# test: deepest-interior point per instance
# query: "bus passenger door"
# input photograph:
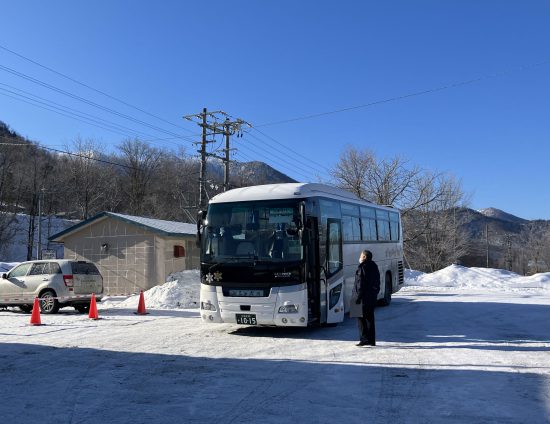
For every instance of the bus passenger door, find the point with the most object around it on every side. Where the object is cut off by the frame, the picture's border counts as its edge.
(334, 272)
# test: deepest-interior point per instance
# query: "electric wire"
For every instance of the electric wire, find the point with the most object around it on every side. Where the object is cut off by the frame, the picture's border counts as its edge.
(51, 105)
(406, 96)
(91, 88)
(84, 100)
(84, 115)
(279, 164)
(287, 156)
(63, 114)
(287, 149)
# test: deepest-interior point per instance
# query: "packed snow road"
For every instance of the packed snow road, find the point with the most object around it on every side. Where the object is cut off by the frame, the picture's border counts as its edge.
(443, 356)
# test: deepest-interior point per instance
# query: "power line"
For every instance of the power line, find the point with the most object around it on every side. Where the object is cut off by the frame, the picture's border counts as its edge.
(51, 105)
(308, 162)
(59, 107)
(90, 87)
(406, 96)
(82, 99)
(124, 134)
(279, 164)
(63, 114)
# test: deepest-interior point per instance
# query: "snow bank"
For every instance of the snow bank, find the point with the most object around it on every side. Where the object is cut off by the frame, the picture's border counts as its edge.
(6, 266)
(457, 276)
(180, 291)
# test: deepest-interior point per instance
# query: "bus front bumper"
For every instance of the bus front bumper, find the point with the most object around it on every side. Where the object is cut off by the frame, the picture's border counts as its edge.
(285, 306)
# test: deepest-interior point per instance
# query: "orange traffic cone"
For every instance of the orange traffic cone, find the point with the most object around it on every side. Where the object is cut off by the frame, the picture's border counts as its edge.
(141, 305)
(93, 308)
(35, 317)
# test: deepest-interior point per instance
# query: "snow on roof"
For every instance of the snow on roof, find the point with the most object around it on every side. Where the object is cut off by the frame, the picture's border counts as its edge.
(284, 191)
(172, 227)
(169, 228)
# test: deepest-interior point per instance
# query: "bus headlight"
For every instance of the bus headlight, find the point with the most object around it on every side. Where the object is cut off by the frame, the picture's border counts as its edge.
(288, 309)
(207, 306)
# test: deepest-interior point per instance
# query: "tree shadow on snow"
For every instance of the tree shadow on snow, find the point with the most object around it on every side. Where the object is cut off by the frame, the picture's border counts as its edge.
(51, 385)
(471, 325)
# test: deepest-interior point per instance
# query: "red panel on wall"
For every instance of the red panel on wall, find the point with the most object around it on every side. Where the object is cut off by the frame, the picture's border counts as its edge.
(179, 252)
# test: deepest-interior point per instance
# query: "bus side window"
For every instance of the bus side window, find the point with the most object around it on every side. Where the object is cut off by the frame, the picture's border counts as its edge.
(334, 246)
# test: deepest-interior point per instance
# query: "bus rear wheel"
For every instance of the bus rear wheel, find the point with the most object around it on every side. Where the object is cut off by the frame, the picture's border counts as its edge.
(386, 300)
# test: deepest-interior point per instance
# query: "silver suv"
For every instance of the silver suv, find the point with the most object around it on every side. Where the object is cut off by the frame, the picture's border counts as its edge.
(58, 283)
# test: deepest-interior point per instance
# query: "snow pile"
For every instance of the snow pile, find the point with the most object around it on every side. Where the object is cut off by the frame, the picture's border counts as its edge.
(6, 266)
(180, 291)
(457, 276)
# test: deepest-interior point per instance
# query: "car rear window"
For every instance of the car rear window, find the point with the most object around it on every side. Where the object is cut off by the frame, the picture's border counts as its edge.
(84, 268)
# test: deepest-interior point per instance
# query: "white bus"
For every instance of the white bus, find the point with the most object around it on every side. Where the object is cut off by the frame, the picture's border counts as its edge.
(286, 254)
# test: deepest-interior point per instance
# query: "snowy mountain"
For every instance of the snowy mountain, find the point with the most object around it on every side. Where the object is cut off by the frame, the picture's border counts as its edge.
(248, 173)
(501, 215)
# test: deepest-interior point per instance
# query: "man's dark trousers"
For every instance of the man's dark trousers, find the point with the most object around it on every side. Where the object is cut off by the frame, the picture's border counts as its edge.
(366, 326)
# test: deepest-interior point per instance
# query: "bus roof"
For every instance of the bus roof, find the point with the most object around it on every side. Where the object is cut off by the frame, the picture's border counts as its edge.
(286, 191)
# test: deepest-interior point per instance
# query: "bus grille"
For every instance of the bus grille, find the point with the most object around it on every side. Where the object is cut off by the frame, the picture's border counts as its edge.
(400, 272)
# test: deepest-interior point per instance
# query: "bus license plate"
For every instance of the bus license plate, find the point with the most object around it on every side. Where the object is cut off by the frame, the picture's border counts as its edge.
(246, 319)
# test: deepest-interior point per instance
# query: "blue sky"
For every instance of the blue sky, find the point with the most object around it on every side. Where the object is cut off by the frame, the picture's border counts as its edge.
(271, 61)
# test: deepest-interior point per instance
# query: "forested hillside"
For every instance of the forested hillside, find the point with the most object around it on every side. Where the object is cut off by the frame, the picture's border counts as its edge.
(137, 178)
(133, 177)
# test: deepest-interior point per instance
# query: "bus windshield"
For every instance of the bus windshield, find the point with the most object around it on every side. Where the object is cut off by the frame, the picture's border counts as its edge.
(266, 231)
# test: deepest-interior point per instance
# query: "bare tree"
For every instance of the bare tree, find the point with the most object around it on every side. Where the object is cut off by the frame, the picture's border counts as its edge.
(433, 233)
(353, 170)
(87, 179)
(433, 237)
(536, 241)
(142, 162)
(10, 183)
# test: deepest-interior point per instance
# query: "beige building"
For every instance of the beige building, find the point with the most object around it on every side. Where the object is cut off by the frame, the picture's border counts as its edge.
(132, 253)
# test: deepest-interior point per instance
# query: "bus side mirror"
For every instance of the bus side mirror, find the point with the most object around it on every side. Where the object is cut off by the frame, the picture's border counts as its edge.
(201, 216)
(302, 233)
(5, 276)
(302, 215)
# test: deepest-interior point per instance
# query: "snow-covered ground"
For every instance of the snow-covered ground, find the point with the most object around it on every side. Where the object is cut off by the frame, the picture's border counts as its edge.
(459, 345)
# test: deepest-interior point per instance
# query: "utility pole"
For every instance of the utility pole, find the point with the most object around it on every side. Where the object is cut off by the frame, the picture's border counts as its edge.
(40, 200)
(202, 176)
(210, 121)
(509, 258)
(227, 128)
(487, 242)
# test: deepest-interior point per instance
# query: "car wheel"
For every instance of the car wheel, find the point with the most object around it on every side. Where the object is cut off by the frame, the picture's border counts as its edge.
(25, 308)
(82, 309)
(48, 303)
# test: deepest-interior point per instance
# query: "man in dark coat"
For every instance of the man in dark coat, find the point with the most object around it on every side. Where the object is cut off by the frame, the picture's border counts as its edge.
(365, 293)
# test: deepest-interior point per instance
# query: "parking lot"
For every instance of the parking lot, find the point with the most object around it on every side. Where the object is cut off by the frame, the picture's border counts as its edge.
(442, 356)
